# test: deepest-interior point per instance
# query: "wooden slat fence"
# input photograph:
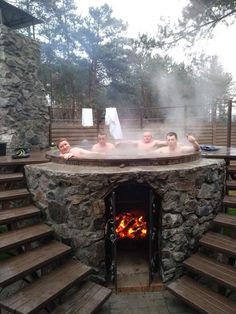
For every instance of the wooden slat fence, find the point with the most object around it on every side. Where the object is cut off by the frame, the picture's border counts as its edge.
(205, 133)
(74, 132)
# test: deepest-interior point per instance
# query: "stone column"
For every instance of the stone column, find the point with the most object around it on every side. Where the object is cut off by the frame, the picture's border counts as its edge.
(24, 119)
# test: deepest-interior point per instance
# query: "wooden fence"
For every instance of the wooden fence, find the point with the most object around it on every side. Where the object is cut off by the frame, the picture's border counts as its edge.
(205, 133)
(208, 129)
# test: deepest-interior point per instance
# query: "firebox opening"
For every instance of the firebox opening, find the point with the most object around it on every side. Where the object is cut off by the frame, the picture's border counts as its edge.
(131, 235)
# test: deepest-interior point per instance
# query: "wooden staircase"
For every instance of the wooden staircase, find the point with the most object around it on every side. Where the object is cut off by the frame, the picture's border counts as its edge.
(206, 274)
(210, 281)
(52, 280)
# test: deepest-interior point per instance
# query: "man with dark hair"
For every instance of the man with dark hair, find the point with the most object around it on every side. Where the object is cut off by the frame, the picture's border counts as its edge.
(175, 148)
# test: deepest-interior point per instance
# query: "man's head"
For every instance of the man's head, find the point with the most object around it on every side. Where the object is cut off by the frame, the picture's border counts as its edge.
(147, 137)
(102, 139)
(63, 145)
(172, 139)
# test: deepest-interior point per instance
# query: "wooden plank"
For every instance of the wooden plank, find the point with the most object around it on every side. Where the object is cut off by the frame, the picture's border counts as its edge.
(8, 177)
(200, 297)
(38, 294)
(14, 238)
(225, 220)
(88, 299)
(229, 200)
(17, 267)
(219, 243)
(231, 185)
(223, 274)
(35, 158)
(13, 214)
(13, 194)
(231, 169)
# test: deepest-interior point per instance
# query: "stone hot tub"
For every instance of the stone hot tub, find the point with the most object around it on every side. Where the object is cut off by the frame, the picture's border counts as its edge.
(177, 198)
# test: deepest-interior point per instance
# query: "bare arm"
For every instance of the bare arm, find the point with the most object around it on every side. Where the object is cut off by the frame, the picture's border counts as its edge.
(160, 143)
(194, 142)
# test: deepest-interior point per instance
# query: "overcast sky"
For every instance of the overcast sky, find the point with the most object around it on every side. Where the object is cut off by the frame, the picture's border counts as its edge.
(143, 16)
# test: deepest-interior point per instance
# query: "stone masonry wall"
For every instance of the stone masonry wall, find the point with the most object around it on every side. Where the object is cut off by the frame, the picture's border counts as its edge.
(73, 200)
(23, 107)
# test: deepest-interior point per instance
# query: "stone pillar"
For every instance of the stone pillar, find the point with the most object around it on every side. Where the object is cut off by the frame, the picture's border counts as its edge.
(24, 119)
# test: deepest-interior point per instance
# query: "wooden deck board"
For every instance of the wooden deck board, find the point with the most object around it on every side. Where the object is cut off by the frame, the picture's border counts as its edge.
(87, 300)
(35, 296)
(201, 298)
(11, 239)
(229, 200)
(13, 194)
(18, 266)
(223, 274)
(7, 177)
(225, 220)
(15, 214)
(219, 242)
(35, 157)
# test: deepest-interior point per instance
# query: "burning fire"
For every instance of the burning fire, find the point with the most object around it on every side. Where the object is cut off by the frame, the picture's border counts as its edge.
(130, 226)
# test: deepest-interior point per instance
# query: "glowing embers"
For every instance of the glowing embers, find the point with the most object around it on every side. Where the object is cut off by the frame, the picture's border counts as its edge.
(129, 225)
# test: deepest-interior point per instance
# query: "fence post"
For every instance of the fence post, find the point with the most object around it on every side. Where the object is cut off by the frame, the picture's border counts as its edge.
(50, 125)
(229, 123)
(213, 121)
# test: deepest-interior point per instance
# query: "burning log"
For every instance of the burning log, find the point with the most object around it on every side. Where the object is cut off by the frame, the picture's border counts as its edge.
(130, 226)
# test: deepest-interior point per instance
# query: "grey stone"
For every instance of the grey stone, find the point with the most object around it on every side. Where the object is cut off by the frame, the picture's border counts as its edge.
(22, 92)
(76, 205)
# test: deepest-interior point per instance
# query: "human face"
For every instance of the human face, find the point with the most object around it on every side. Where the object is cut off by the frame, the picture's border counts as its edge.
(102, 140)
(171, 141)
(147, 137)
(64, 147)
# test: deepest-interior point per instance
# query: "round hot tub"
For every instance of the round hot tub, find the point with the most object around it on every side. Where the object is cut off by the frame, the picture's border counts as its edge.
(124, 159)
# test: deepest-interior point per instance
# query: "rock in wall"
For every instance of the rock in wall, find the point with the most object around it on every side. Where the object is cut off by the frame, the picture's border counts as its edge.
(24, 118)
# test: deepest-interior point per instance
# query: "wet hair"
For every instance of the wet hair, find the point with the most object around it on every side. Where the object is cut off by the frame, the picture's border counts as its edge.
(61, 140)
(172, 134)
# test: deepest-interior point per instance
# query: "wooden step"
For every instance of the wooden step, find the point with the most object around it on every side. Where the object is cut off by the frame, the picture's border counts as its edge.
(15, 214)
(36, 157)
(200, 297)
(19, 266)
(226, 221)
(231, 185)
(225, 275)
(229, 201)
(13, 194)
(8, 177)
(231, 169)
(88, 299)
(15, 238)
(38, 294)
(219, 243)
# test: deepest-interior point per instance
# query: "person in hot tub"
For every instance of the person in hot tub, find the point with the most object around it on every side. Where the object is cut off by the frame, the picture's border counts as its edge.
(102, 145)
(146, 143)
(175, 148)
(66, 151)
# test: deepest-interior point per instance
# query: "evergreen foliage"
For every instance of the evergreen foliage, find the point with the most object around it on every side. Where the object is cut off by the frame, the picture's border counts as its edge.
(89, 62)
